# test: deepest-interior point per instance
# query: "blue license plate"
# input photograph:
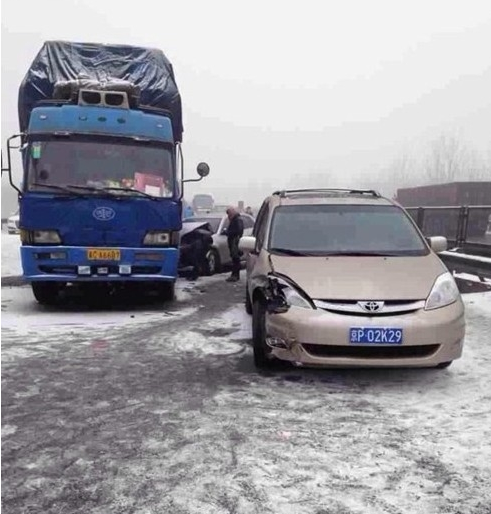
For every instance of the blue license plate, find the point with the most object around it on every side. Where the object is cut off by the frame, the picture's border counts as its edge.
(373, 335)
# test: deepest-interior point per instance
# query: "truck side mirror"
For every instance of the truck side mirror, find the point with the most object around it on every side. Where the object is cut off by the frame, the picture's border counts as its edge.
(203, 169)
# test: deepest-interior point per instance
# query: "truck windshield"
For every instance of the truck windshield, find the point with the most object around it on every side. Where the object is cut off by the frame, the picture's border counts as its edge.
(120, 168)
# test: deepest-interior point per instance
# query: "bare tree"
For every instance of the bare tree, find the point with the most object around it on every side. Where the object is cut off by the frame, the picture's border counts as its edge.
(449, 160)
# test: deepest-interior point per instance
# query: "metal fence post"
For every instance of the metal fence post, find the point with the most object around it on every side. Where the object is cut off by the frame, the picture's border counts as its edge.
(463, 223)
(420, 218)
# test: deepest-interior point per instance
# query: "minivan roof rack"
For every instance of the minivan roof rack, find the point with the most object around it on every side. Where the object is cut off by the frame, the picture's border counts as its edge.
(286, 192)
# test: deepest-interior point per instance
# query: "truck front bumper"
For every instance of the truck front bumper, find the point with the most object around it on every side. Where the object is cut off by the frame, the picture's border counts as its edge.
(71, 264)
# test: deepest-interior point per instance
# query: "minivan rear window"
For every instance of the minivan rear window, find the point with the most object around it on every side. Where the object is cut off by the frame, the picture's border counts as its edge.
(344, 230)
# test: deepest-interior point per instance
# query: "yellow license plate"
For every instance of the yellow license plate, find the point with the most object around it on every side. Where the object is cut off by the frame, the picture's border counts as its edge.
(103, 254)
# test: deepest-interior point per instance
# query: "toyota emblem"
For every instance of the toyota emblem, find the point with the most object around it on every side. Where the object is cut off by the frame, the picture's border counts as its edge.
(371, 306)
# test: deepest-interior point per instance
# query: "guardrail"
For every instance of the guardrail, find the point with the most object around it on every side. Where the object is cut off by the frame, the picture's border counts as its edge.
(461, 224)
(472, 264)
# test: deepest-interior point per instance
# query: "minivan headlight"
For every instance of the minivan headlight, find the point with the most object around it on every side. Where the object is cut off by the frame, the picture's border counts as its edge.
(443, 293)
(292, 296)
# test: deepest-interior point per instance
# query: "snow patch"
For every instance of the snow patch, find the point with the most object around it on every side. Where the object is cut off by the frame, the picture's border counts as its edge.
(8, 430)
(22, 314)
(11, 264)
(198, 343)
(481, 303)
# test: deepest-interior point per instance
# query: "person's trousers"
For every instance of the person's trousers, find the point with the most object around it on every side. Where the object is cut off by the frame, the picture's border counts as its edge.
(233, 246)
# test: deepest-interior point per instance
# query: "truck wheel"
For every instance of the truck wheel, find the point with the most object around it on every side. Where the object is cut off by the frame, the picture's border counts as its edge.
(262, 352)
(46, 293)
(248, 304)
(167, 291)
(212, 262)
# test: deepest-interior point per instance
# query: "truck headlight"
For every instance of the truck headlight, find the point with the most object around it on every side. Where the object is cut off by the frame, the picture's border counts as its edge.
(443, 293)
(157, 238)
(40, 237)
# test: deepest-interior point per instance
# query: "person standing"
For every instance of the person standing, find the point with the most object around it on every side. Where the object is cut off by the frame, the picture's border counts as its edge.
(234, 233)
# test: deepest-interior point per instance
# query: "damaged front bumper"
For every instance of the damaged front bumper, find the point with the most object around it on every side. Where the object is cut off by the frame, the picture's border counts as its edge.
(319, 338)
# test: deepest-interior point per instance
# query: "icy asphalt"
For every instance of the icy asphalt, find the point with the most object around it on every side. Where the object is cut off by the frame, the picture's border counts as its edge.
(158, 409)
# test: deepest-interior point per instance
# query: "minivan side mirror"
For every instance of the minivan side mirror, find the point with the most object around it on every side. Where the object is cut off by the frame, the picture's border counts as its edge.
(438, 244)
(247, 243)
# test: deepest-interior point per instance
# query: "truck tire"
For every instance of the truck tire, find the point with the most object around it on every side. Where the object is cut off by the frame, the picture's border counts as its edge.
(262, 352)
(46, 293)
(167, 291)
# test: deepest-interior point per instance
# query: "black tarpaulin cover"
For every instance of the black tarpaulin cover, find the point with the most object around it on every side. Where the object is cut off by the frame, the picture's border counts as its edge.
(147, 68)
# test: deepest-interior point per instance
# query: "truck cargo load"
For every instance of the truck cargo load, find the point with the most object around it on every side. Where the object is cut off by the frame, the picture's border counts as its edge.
(60, 64)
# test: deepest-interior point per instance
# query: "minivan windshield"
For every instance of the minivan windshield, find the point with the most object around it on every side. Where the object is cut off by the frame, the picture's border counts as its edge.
(344, 230)
(90, 165)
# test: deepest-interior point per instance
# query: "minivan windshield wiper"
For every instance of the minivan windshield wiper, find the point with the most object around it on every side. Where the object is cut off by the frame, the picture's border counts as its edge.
(361, 254)
(290, 251)
(65, 189)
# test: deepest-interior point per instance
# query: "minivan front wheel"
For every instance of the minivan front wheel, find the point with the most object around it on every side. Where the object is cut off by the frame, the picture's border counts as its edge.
(262, 352)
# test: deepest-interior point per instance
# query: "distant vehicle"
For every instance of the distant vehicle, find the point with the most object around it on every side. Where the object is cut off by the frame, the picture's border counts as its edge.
(445, 222)
(203, 202)
(345, 278)
(187, 210)
(13, 223)
(219, 256)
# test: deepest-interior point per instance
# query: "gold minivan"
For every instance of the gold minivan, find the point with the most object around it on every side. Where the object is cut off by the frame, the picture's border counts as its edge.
(345, 278)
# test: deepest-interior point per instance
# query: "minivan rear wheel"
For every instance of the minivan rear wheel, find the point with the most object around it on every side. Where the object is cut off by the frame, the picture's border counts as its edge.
(262, 352)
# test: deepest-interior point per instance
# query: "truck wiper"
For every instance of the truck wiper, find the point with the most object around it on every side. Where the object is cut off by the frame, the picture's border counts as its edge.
(129, 190)
(58, 188)
(289, 251)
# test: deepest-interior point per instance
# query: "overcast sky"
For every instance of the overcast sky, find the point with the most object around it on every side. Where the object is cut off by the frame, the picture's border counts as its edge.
(277, 92)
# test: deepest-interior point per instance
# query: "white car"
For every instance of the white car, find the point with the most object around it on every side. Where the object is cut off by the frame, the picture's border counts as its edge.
(13, 223)
(219, 256)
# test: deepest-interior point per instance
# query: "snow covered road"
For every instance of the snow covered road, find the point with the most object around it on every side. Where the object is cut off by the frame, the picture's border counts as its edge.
(145, 410)
(11, 265)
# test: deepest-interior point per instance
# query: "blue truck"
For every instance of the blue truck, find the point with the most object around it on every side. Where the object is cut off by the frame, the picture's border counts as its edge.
(101, 195)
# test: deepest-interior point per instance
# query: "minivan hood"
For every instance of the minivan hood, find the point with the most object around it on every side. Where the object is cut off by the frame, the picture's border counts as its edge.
(362, 278)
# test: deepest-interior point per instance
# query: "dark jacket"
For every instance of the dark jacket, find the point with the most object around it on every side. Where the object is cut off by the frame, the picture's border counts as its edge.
(235, 228)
